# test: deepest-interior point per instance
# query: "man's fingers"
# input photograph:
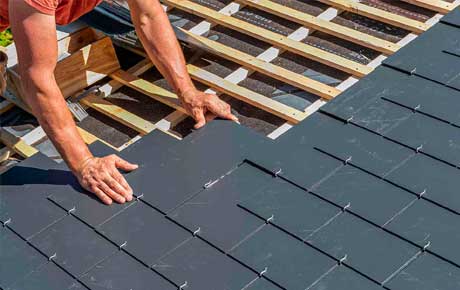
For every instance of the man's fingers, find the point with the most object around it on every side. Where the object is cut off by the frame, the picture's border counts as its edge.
(222, 109)
(128, 192)
(106, 188)
(124, 165)
(101, 195)
(198, 115)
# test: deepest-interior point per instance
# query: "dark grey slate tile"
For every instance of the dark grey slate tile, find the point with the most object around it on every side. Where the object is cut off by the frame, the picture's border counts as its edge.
(287, 261)
(262, 284)
(366, 92)
(77, 247)
(196, 161)
(86, 205)
(363, 245)
(439, 181)
(123, 272)
(437, 138)
(453, 18)
(99, 149)
(147, 233)
(368, 196)
(27, 210)
(215, 211)
(427, 272)
(203, 267)
(289, 207)
(425, 222)
(344, 278)
(17, 258)
(48, 276)
(416, 92)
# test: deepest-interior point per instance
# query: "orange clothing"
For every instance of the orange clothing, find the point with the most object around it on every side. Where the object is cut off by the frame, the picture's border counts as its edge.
(65, 11)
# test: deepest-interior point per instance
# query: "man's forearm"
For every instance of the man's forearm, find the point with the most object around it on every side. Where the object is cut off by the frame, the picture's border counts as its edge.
(160, 43)
(48, 105)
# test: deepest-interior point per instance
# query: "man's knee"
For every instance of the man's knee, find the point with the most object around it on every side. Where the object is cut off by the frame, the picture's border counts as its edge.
(3, 63)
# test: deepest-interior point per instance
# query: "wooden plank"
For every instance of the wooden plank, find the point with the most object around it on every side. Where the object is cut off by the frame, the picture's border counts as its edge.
(16, 144)
(279, 40)
(378, 14)
(269, 69)
(260, 101)
(149, 89)
(119, 114)
(435, 5)
(328, 27)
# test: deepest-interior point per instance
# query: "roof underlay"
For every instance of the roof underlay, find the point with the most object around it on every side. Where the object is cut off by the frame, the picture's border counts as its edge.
(361, 195)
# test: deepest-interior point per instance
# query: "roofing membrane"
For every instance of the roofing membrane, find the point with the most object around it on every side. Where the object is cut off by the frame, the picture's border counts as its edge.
(361, 195)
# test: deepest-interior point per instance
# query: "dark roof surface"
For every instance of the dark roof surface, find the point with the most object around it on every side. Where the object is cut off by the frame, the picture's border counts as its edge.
(362, 195)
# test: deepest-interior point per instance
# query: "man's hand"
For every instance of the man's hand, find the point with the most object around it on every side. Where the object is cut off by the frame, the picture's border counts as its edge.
(101, 176)
(198, 104)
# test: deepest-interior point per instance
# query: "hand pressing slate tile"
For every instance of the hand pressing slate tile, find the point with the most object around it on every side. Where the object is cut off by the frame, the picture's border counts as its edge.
(368, 196)
(203, 268)
(195, 161)
(289, 262)
(290, 208)
(439, 182)
(368, 249)
(123, 272)
(49, 277)
(17, 258)
(438, 139)
(215, 211)
(425, 222)
(427, 272)
(77, 247)
(344, 278)
(147, 233)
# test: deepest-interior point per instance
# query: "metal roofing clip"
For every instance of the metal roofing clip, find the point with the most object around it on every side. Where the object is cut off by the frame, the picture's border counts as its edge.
(416, 108)
(71, 210)
(139, 196)
(122, 245)
(52, 256)
(277, 172)
(419, 148)
(349, 119)
(421, 193)
(346, 207)
(7, 222)
(210, 183)
(347, 160)
(270, 219)
(343, 259)
(183, 285)
(197, 231)
(263, 272)
(426, 246)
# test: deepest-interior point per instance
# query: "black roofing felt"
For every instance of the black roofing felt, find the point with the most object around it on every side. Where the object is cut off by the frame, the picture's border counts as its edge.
(362, 195)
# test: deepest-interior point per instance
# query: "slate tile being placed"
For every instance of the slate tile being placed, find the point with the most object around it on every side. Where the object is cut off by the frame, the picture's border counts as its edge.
(439, 181)
(368, 249)
(48, 276)
(368, 196)
(17, 258)
(123, 272)
(288, 261)
(292, 209)
(215, 211)
(344, 278)
(425, 222)
(77, 247)
(196, 161)
(437, 138)
(147, 233)
(427, 272)
(203, 267)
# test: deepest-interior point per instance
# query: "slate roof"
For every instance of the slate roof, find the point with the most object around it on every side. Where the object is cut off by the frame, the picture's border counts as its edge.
(362, 195)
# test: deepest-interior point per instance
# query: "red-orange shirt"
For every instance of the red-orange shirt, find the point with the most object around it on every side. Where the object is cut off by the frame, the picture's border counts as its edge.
(65, 11)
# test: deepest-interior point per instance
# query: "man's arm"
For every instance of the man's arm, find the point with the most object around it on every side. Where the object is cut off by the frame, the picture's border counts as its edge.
(36, 45)
(160, 43)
